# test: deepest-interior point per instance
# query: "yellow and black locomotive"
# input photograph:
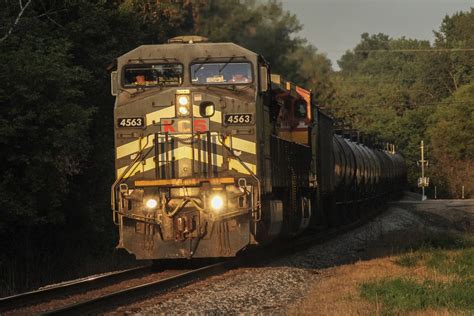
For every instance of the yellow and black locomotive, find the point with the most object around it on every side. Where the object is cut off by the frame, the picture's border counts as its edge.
(215, 154)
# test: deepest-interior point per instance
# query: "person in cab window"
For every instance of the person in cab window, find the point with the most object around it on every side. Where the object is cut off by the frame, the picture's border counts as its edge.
(140, 80)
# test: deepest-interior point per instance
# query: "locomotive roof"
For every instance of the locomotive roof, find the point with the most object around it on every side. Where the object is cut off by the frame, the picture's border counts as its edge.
(187, 52)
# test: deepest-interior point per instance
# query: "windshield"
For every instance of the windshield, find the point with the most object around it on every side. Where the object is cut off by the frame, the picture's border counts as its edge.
(152, 75)
(221, 73)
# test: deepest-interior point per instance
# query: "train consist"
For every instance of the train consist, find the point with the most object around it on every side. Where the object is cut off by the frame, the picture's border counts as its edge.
(214, 154)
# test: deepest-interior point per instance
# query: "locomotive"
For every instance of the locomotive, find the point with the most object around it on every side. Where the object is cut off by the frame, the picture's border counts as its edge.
(215, 154)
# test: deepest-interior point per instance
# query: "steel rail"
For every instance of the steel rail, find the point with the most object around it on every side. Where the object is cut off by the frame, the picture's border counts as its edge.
(124, 296)
(66, 288)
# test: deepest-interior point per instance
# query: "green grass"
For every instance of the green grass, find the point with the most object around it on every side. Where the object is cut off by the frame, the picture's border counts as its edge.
(460, 263)
(433, 252)
(402, 295)
(446, 254)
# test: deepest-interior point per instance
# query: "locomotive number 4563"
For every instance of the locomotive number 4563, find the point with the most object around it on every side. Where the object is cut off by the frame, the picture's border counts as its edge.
(238, 119)
(130, 122)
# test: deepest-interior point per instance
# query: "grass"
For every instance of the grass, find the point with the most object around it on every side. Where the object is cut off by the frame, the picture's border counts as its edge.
(446, 254)
(402, 295)
(460, 263)
(410, 259)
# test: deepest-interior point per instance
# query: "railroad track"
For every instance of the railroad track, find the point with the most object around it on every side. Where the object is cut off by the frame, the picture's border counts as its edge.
(22, 302)
(105, 302)
(68, 288)
(122, 296)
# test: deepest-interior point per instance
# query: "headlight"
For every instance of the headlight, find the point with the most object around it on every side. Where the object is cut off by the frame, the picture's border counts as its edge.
(183, 103)
(151, 203)
(183, 110)
(183, 100)
(217, 202)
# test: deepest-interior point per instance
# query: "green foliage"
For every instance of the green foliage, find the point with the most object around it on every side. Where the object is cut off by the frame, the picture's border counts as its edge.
(453, 125)
(42, 127)
(451, 130)
(455, 33)
(312, 70)
(261, 27)
(406, 90)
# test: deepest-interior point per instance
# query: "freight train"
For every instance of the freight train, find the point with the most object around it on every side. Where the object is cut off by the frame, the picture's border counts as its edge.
(215, 154)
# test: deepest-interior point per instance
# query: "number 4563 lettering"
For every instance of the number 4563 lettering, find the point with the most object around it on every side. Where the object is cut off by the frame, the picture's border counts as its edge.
(130, 122)
(238, 119)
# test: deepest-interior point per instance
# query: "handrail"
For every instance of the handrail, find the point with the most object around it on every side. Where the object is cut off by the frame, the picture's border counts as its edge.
(257, 204)
(122, 176)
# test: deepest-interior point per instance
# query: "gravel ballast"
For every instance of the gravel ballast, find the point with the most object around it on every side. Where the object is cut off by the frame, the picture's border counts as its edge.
(270, 289)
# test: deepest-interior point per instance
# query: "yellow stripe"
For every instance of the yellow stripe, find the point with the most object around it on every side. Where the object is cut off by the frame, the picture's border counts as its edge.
(178, 154)
(185, 152)
(167, 112)
(134, 146)
(236, 165)
(149, 165)
(127, 149)
(244, 145)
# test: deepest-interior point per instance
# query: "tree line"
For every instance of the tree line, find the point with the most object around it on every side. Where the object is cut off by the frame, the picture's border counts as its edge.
(407, 90)
(56, 112)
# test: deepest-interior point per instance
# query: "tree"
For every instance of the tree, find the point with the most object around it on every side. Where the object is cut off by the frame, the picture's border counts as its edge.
(455, 34)
(452, 141)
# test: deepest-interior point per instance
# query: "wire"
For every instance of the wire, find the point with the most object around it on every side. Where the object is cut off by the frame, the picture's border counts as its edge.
(432, 50)
(329, 107)
(391, 80)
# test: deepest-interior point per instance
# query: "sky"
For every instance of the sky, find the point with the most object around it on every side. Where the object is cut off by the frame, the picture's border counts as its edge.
(334, 26)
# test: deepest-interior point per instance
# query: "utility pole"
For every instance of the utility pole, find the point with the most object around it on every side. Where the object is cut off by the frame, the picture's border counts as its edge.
(423, 181)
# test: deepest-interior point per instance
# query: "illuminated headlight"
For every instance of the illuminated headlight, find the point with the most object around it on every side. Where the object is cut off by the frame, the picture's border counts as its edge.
(183, 110)
(183, 100)
(151, 203)
(217, 202)
(183, 103)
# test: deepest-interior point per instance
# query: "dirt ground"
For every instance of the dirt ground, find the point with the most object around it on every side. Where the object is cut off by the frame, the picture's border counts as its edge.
(337, 291)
